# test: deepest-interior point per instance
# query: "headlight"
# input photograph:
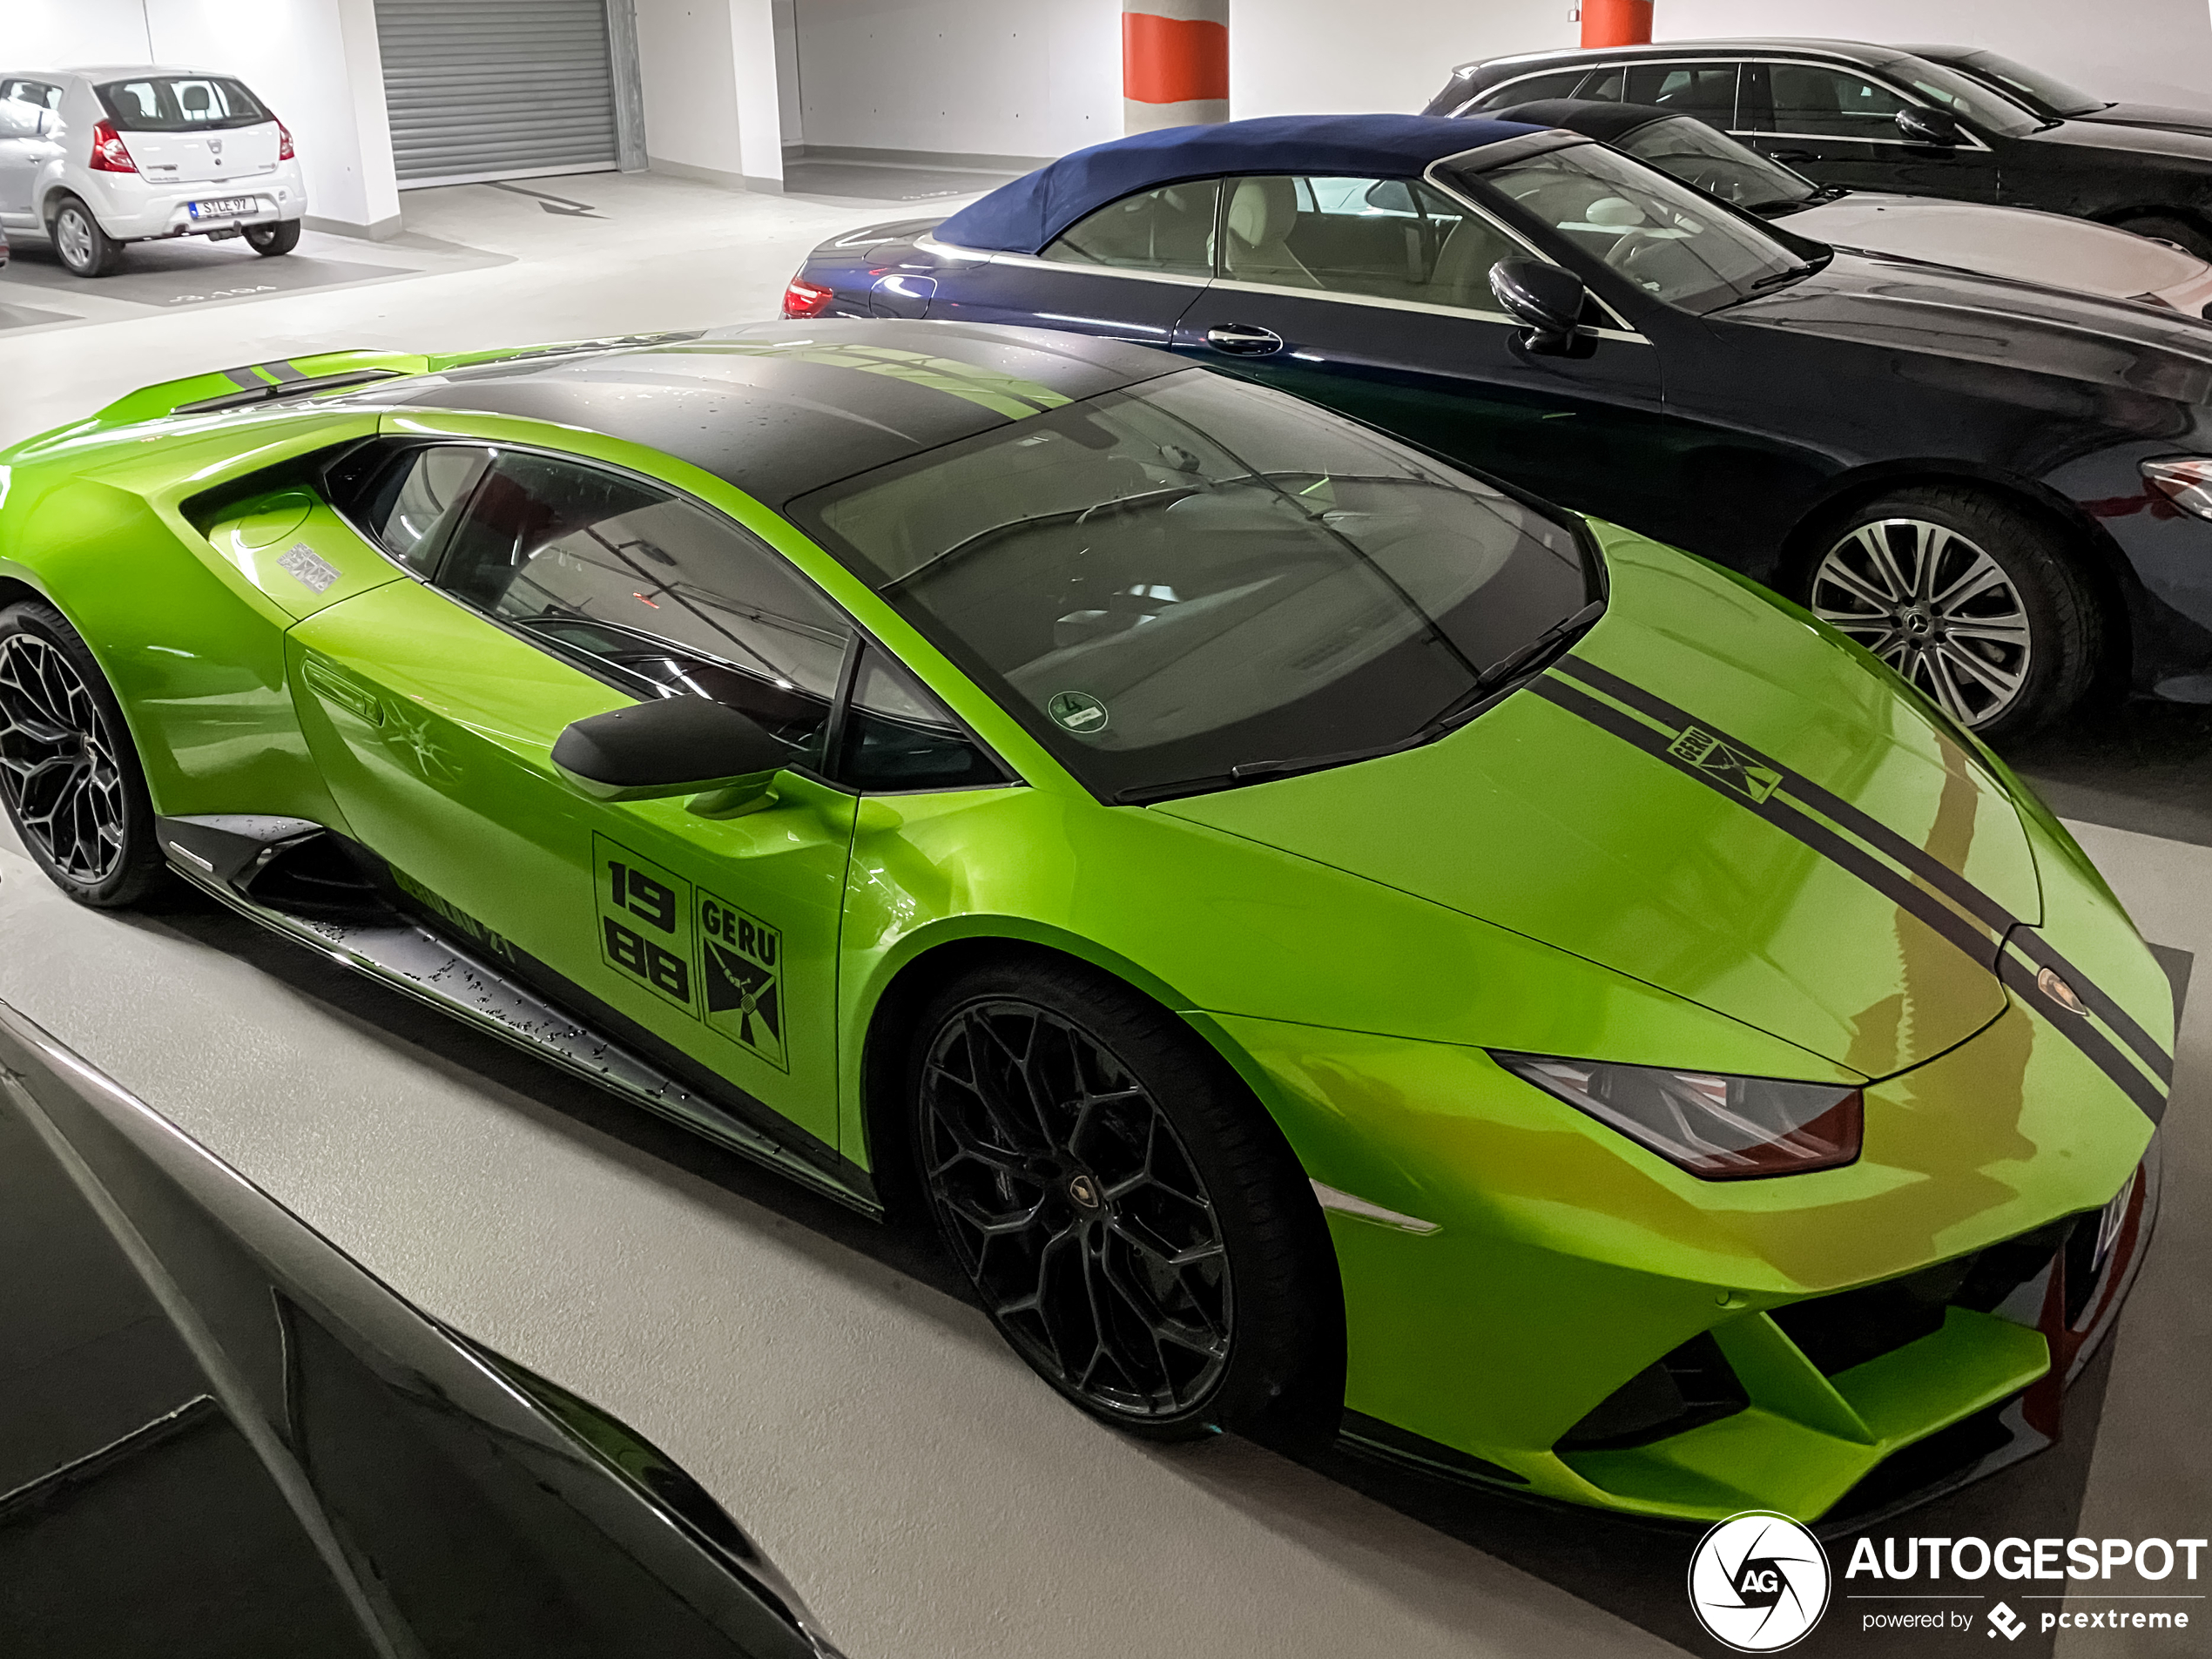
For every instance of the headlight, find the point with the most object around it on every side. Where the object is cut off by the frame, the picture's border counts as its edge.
(1719, 1129)
(2184, 480)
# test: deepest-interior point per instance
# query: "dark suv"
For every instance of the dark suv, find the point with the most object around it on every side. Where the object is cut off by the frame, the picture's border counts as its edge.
(1876, 118)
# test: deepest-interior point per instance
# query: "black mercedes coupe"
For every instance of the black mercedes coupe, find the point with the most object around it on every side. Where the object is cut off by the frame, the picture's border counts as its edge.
(1878, 118)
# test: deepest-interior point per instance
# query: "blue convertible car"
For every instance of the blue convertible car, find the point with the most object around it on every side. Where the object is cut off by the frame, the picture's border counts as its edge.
(2001, 488)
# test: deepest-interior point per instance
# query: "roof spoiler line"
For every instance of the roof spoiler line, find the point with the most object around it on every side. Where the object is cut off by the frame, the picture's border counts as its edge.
(256, 383)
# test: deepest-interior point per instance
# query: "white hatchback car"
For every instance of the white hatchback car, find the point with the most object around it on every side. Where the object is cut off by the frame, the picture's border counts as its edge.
(96, 157)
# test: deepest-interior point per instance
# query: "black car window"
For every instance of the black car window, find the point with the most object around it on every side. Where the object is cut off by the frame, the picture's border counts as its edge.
(2032, 85)
(1656, 232)
(1390, 239)
(180, 104)
(1694, 152)
(1197, 574)
(1818, 102)
(406, 502)
(1530, 88)
(672, 598)
(1168, 230)
(1706, 91)
(898, 737)
(1966, 97)
(1606, 85)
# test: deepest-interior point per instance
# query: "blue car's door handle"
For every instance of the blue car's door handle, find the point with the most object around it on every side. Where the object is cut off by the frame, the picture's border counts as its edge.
(1243, 339)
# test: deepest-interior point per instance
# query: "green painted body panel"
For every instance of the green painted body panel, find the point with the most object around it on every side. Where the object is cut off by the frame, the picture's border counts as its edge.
(1542, 823)
(1351, 941)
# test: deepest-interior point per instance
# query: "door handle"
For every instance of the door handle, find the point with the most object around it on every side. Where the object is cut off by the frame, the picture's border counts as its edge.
(1243, 339)
(1791, 155)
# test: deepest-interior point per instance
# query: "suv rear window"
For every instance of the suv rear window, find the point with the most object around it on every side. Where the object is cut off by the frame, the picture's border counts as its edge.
(180, 104)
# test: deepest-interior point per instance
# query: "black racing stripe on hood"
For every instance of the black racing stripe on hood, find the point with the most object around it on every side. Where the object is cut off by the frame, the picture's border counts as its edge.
(2019, 978)
(1872, 830)
(1913, 857)
(1983, 945)
(1977, 944)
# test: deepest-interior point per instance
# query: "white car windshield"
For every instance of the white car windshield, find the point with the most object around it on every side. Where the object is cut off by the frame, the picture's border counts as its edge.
(180, 104)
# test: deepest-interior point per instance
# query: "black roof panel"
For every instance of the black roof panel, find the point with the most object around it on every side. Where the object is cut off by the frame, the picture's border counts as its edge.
(782, 408)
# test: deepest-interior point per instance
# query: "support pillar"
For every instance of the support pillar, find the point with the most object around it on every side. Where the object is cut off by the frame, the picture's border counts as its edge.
(1175, 63)
(1617, 23)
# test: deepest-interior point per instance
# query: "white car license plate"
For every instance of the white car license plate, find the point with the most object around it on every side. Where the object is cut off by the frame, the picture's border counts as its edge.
(224, 207)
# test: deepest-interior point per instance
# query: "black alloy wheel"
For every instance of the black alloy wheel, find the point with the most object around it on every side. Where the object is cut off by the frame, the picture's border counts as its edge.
(68, 775)
(1976, 605)
(1132, 1221)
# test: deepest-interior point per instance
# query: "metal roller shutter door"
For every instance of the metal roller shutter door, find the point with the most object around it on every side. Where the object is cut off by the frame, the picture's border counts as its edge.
(497, 89)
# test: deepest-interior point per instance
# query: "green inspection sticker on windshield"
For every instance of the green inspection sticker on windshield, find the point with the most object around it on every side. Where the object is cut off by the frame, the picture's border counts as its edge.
(1077, 712)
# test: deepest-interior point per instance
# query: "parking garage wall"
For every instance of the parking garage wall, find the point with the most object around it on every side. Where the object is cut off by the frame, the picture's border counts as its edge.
(315, 62)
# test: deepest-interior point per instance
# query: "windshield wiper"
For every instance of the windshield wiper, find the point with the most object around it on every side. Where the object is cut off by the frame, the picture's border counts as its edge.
(1523, 665)
(1776, 278)
(1254, 771)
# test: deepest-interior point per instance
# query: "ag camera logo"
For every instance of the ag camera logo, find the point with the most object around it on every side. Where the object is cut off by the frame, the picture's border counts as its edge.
(1758, 1581)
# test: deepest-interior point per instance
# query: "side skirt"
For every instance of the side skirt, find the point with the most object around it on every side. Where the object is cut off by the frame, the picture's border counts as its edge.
(218, 854)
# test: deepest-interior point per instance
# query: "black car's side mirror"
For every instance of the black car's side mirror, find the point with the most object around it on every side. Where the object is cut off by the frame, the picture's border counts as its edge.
(677, 745)
(1544, 299)
(1928, 127)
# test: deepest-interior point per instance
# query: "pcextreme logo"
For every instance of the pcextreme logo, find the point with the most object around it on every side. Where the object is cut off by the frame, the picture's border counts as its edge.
(1758, 1581)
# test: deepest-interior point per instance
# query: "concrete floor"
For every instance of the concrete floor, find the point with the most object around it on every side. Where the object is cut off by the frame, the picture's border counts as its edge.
(824, 1378)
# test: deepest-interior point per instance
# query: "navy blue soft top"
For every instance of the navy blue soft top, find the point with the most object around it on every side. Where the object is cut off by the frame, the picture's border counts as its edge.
(1022, 217)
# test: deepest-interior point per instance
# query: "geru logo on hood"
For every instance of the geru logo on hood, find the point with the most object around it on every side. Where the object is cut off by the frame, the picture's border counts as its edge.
(1740, 772)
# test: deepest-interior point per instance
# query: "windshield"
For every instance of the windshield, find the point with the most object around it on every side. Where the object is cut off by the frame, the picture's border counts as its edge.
(1687, 149)
(1199, 575)
(2048, 90)
(1965, 97)
(1663, 236)
(179, 103)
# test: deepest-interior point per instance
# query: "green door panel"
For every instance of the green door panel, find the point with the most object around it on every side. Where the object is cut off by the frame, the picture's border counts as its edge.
(720, 935)
(435, 729)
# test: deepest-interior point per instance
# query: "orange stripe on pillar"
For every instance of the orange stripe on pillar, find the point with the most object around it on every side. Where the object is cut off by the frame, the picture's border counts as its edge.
(1173, 60)
(1617, 23)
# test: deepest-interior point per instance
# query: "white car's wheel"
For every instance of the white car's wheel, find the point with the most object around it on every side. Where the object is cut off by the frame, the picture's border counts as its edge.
(86, 249)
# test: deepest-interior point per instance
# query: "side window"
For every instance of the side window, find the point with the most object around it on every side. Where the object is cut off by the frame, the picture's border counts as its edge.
(1829, 103)
(1607, 85)
(603, 567)
(1559, 84)
(1168, 230)
(897, 736)
(1390, 239)
(1706, 91)
(406, 502)
(33, 92)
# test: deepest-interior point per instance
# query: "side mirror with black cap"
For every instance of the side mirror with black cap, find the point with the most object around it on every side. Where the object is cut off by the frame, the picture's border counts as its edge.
(1544, 299)
(677, 745)
(1928, 127)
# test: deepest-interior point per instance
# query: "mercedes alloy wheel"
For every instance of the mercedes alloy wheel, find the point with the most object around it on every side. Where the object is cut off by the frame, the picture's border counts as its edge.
(1935, 607)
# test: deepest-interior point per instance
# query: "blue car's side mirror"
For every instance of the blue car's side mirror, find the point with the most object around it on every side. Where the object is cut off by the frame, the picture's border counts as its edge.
(1546, 300)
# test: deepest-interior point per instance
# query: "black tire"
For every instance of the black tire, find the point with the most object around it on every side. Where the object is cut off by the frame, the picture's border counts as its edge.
(1247, 1332)
(69, 775)
(271, 240)
(85, 250)
(2182, 232)
(2019, 647)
